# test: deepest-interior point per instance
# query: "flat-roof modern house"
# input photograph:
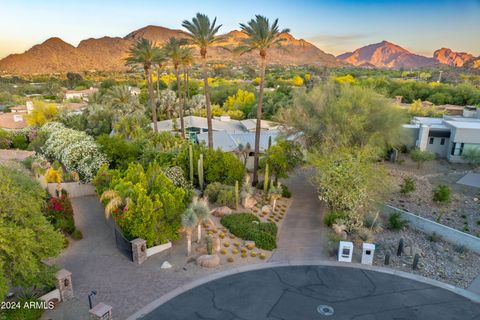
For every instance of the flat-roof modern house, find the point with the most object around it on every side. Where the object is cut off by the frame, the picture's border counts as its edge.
(448, 137)
(228, 134)
(80, 94)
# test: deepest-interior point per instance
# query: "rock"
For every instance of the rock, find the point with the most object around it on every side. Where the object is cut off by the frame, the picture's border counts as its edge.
(222, 211)
(339, 229)
(407, 251)
(208, 261)
(166, 265)
(267, 209)
(216, 244)
(248, 202)
(475, 199)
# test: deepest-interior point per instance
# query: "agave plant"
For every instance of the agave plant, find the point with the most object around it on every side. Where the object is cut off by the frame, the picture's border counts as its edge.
(189, 221)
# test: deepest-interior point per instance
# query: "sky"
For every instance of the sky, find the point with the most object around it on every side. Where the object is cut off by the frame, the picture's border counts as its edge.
(334, 26)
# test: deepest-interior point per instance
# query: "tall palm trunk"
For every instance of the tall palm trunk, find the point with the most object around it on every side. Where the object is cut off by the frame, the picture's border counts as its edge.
(207, 99)
(189, 242)
(259, 118)
(180, 105)
(158, 83)
(185, 89)
(148, 76)
(199, 232)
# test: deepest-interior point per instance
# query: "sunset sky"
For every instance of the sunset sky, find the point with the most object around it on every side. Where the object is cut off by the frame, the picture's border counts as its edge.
(334, 26)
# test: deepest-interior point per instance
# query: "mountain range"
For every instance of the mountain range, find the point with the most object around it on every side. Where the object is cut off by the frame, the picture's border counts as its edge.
(389, 55)
(109, 53)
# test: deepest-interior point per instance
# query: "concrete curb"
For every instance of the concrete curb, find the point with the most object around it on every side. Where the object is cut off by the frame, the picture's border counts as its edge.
(288, 263)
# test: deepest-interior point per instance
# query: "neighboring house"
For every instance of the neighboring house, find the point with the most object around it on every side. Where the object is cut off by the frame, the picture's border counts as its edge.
(11, 121)
(448, 137)
(197, 125)
(18, 109)
(80, 94)
(228, 134)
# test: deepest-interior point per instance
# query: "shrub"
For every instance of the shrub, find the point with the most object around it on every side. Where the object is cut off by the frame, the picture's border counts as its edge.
(373, 221)
(23, 313)
(59, 212)
(285, 192)
(248, 227)
(434, 237)
(20, 142)
(365, 235)
(332, 243)
(408, 185)
(441, 193)
(420, 156)
(5, 139)
(77, 235)
(221, 194)
(395, 221)
(331, 217)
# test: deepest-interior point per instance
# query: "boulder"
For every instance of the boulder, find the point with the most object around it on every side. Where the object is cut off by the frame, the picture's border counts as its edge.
(339, 229)
(222, 211)
(267, 209)
(248, 201)
(208, 261)
(166, 265)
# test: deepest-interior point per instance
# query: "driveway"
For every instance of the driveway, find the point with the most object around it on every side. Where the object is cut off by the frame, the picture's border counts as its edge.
(302, 235)
(96, 264)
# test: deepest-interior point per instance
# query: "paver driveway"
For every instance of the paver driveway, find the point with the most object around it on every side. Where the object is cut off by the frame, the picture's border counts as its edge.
(302, 235)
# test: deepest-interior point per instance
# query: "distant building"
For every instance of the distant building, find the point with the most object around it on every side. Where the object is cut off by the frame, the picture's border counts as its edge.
(448, 137)
(12, 120)
(18, 109)
(80, 94)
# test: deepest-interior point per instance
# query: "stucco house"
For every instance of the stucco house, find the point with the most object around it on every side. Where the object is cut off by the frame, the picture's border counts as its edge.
(80, 94)
(448, 137)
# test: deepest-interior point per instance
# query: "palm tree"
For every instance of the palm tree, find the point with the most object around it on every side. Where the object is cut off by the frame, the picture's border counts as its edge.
(162, 59)
(146, 54)
(189, 221)
(115, 202)
(174, 51)
(201, 33)
(260, 36)
(187, 60)
(122, 100)
(200, 207)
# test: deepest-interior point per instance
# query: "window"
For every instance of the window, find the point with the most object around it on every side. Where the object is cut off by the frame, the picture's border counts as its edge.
(454, 145)
(431, 141)
(346, 252)
(442, 141)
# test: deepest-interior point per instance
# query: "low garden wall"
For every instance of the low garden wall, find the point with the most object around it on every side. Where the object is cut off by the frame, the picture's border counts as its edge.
(449, 234)
(74, 189)
(157, 249)
(15, 154)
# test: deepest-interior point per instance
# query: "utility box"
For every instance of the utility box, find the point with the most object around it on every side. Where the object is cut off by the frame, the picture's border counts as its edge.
(367, 253)
(345, 251)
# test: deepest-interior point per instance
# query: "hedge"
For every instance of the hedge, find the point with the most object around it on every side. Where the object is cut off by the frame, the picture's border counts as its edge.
(248, 227)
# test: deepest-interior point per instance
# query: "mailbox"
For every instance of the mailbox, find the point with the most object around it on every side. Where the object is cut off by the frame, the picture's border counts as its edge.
(367, 253)
(345, 251)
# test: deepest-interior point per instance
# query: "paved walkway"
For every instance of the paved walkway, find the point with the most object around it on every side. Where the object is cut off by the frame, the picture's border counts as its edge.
(96, 264)
(297, 292)
(302, 235)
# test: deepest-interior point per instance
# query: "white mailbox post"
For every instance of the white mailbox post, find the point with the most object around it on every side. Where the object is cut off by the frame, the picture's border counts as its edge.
(345, 251)
(367, 253)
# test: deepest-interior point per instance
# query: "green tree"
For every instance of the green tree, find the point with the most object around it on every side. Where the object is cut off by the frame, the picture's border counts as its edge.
(260, 36)
(145, 54)
(332, 116)
(243, 101)
(202, 33)
(26, 237)
(282, 158)
(119, 151)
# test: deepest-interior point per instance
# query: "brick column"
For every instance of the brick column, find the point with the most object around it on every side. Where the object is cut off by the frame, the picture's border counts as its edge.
(101, 311)
(64, 284)
(139, 250)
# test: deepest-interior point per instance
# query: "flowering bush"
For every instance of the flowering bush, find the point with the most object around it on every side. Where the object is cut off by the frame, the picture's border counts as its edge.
(177, 176)
(59, 213)
(75, 149)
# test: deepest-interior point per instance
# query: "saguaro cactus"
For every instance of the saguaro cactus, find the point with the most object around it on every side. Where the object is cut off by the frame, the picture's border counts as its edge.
(190, 155)
(237, 194)
(387, 258)
(400, 247)
(200, 172)
(265, 181)
(416, 260)
(209, 244)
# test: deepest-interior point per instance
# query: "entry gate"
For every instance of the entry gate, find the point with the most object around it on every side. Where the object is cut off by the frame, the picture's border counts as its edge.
(123, 244)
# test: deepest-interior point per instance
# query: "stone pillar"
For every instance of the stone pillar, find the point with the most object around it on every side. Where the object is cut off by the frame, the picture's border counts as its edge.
(422, 141)
(101, 311)
(64, 284)
(139, 250)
